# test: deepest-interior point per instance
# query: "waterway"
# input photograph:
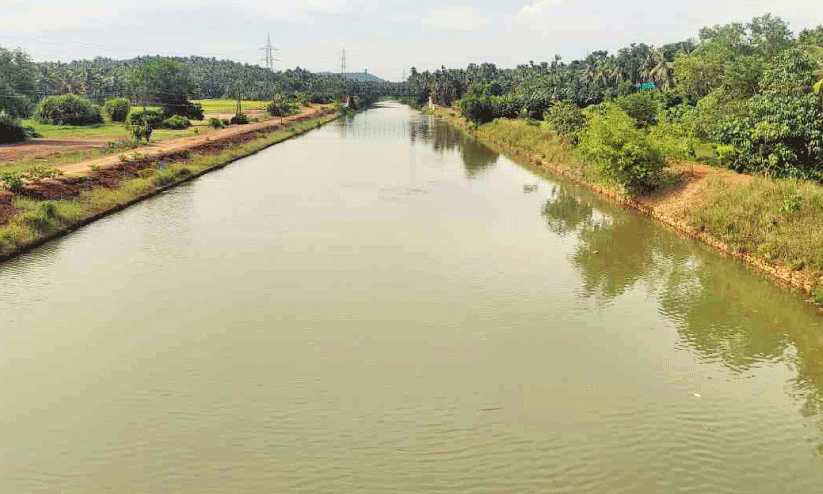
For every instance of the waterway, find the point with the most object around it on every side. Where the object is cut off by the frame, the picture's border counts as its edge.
(385, 305)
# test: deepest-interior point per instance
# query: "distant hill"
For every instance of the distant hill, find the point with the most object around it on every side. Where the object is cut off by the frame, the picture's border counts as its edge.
(356, 76)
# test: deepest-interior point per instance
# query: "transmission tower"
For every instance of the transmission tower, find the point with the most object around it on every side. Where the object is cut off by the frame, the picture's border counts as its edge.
(343, 71)
(269, 50)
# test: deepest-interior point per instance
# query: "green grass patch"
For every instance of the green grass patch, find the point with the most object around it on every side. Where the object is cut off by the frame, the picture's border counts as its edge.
(778, 220)
(230, 105)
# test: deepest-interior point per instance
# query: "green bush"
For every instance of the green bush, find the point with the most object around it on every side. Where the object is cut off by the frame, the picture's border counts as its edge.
(176, 123)
(141, 124)
(10, 129)
(15, 105)
(216, 123)
(280, 106)
(68, 109)
(641, 106)
(117, 109)
(781, 132)
(613, 142)
(12, 181)
(781, 136)
(674, 137)
(567, 119)
(239, 119)
(154, 118)
(185, 109)
(321, 98)
(477, 109)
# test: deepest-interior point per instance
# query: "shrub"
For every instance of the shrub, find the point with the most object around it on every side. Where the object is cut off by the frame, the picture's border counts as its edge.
(216, 123)
(153, 117)
(39, 172)
(674, 137)
(12, 181)
(280, 106)
(176, 123)
(10, 129)
(321, 98)
(782, 135)
(68, 109)
(475, 108)
(239, 119)
(15, 105)
(142, 124)
(613, 142)
(117, 109)
(567, 119)
(185, 109)
(641, 106)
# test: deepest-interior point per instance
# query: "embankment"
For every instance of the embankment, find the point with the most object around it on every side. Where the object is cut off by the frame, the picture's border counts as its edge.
(38, 212)
(678, 204)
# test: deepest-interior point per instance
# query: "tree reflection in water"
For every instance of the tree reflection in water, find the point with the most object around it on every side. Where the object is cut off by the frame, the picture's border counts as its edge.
(475, 155)
(722, 312)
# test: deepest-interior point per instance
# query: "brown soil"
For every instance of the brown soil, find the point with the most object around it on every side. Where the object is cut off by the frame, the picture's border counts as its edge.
(110, 171)
(215, 139)
(40, 148)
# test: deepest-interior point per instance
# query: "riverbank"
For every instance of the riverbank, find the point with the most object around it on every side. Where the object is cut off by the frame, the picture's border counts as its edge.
(40, 211)
(767, 224)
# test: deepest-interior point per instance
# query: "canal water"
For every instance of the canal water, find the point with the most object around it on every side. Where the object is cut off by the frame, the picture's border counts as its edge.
(385, 305)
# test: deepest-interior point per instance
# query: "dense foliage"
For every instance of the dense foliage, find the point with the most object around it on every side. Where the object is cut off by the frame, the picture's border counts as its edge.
(10, 129)
(68, 109)
(240, 119)
(624, 152)
(746, 95)
(176, 122)
(17, 73)
(117, 109)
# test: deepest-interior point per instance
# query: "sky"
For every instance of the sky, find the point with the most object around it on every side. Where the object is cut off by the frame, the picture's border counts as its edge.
(385, 38)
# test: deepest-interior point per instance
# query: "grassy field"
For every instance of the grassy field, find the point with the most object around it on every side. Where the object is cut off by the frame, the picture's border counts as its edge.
(229, 105)
(110, 131)
(778, 220)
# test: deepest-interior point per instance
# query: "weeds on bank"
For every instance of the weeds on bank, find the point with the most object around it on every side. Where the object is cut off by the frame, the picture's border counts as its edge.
(779, 220)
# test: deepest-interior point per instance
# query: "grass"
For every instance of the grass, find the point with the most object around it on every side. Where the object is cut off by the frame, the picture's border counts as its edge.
(230, 105)
(106, 131)
(39, 219)
(531, 139)
(779, 220)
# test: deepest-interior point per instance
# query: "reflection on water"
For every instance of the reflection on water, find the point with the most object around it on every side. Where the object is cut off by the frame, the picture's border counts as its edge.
(378, 306)
(720, 313)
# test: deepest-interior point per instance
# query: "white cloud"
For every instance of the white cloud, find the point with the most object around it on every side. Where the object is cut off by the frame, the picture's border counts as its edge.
(456, 18)
(537, 9)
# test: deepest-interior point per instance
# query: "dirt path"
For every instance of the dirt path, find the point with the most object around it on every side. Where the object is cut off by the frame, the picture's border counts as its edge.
(43, 148)
(40, 148)
(689, 194)
(181, 144)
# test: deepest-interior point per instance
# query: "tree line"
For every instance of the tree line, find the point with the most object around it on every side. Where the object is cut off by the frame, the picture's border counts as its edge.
(751, 91)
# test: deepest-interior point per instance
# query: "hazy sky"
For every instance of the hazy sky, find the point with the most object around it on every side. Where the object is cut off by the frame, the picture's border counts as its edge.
(383, 37)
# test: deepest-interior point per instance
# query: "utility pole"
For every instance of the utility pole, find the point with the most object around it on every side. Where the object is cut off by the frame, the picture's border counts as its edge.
(269, 50)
